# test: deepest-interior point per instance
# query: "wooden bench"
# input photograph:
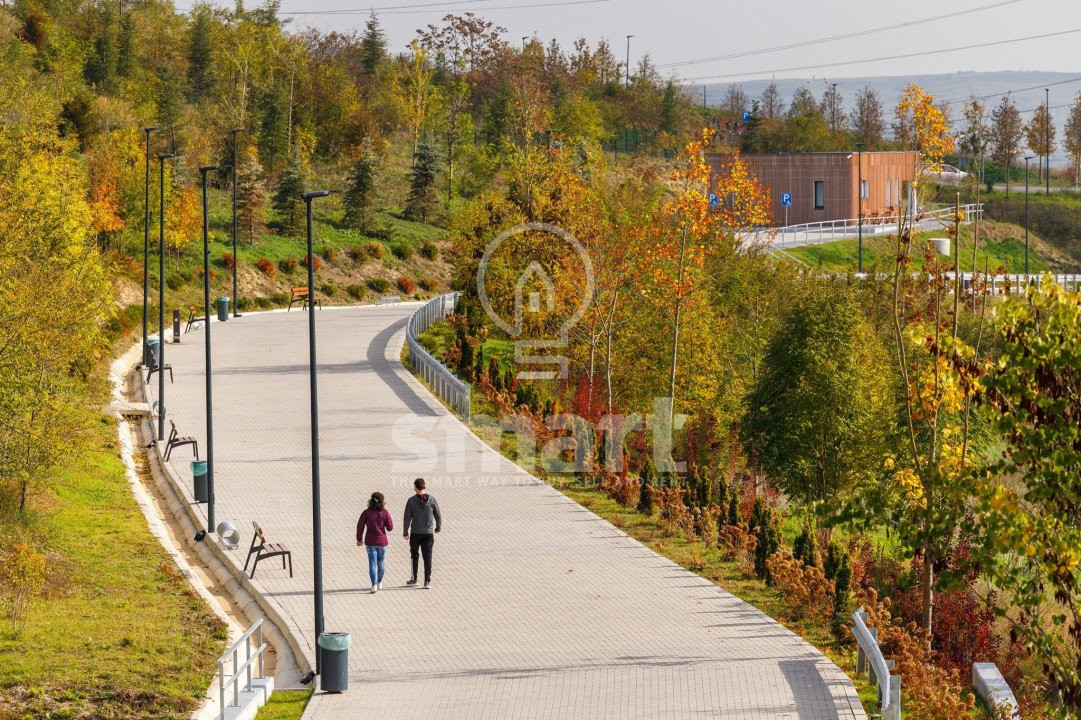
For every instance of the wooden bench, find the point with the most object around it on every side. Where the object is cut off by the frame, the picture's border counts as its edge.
(192, 318)
(300, 295)
(262, 550)
(176, 440)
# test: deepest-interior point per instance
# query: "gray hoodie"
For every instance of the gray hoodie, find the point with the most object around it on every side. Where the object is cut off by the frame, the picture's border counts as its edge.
(422, 515)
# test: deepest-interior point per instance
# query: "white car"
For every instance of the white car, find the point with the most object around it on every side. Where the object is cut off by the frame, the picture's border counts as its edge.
(946, 175)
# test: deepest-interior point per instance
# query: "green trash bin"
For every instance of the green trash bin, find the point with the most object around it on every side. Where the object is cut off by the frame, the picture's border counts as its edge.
(152, 355)
(334, 659)
(223, 309)
(200, 491)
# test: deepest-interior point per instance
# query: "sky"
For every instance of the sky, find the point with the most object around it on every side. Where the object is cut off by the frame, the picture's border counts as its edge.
(675, 31)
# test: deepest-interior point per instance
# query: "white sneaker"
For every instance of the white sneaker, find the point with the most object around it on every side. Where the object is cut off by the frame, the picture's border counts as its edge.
(428, 586)
(375, 589)
(379, 586)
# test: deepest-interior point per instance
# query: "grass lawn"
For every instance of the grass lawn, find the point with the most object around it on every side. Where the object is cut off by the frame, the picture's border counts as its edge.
(285, 705)
(1001, 245)
(120, 633)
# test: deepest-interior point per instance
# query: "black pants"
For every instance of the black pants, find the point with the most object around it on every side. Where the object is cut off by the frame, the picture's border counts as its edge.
(422, 543)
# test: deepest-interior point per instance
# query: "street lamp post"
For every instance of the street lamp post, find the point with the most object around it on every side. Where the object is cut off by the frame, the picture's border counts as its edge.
(1047, 143)
(206, 328)
(859, 201)
(317, 533)
(236, 310)
(161, 291)
(627, 82)
(146, 251)
(1027, 158)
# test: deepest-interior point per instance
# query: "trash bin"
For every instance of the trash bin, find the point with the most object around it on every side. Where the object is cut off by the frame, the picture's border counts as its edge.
(152, 352)
(334, 657)
(223, 309)
(200, 491)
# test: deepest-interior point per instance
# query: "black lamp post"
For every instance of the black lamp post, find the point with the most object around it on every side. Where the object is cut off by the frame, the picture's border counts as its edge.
(317, 532)
(236, 310)
(146, 251)
(206, 327)
(627, 82)
(859, 196)
(1027, 158)
(1047, 143)
(161, 291)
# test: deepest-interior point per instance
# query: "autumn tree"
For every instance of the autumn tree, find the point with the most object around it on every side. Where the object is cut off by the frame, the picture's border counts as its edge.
(1006, 133)
(833, 107)
(1072, 138)
(1040, 137)
(921, 125)
(735, 99)
(251, 196)
(772, 104)
(416, 94)
(867, 119)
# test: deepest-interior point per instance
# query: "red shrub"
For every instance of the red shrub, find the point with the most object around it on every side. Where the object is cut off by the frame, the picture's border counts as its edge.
(213, 274)
(317, 262)
(407, 285)
(227, 260)
(267, 266)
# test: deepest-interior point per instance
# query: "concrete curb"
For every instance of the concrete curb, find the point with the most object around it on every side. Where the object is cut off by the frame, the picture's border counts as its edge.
(293, 659)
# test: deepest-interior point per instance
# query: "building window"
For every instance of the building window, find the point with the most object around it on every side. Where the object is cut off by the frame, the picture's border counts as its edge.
(865, 189)
(820, 194)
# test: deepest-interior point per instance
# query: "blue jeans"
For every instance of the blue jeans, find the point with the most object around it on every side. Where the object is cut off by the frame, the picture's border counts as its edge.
(376, 557)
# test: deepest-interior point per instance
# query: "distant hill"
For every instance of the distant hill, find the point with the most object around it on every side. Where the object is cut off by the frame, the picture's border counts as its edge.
(950, 87)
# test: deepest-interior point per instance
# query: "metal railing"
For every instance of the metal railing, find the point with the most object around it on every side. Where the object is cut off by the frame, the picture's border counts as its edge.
(825, 231)
(446, 386)
(232, 656)
(869, 657)
(1010, 284)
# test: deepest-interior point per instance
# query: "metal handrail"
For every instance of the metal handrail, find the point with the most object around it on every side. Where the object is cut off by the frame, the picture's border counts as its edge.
(824, 231)
(446, 386)
(889, 686)
(230, 656)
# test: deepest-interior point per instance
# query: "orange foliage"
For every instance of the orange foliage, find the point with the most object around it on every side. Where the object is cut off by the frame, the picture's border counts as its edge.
(805, 589)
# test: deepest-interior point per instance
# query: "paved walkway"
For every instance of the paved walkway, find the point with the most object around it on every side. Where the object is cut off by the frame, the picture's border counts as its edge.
(539, 609)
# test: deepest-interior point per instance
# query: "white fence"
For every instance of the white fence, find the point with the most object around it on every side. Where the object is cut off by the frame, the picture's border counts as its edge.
(878, 668)
(450, 389)
(232, 657)
(827, 231)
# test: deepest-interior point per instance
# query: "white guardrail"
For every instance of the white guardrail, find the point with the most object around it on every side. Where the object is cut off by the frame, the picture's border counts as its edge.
(232, 657)
(450, 389)
(827, 231)
(878, 667)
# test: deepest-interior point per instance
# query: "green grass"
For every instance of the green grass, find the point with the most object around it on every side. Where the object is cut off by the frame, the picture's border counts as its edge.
(120, 632)
(285, 705)
(1001, 245)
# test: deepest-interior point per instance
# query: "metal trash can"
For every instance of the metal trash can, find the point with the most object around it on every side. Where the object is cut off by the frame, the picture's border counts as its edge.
(152, 354)
(223, 309)
(334, 658)
(200, 491)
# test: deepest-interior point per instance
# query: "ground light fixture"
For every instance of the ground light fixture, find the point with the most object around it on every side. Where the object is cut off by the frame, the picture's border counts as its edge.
(317, 534)
(161, 290)
(204, 171)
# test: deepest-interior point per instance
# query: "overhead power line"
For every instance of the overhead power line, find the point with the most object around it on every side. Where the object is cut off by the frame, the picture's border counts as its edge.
(843, 36)
(437, 7)
(885, 57)
(1010, 92)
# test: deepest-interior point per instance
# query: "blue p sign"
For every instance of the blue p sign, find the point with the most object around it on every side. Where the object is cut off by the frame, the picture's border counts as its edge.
(786, 199)
(746, 116)
(714, 200)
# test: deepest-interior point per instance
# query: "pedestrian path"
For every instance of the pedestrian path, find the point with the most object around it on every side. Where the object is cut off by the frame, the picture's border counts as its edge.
(539, 609)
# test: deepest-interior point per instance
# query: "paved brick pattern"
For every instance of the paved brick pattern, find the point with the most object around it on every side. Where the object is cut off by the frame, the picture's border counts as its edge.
(539, 609)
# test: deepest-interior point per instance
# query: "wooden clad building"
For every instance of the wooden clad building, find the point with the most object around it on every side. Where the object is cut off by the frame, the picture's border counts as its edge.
(825, 186)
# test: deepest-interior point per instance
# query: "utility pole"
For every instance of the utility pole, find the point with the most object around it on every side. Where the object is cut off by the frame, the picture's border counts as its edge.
(1047, 144)
(859, 196)
(627, 82)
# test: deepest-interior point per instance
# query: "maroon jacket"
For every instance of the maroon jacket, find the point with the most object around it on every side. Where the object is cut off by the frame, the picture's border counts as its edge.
(377, 522)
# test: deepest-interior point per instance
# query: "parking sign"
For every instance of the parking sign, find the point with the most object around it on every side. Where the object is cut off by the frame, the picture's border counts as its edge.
(714, 200)
(786, 199)
(746, 116)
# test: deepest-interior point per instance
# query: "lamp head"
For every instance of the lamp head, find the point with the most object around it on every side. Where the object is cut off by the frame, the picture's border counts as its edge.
(318, 194)
(150, 129)
(168, 156)
(209, 168)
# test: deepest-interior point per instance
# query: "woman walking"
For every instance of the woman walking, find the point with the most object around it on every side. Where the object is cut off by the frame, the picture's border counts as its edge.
(372, 533)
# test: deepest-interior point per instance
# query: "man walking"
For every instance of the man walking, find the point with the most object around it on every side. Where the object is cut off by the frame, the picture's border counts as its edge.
(422, 519)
